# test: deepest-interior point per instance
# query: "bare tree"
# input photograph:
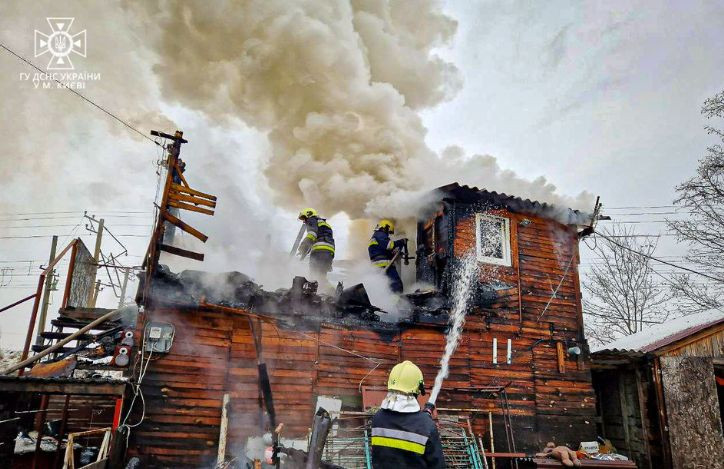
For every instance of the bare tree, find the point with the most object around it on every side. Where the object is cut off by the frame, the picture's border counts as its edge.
(623, 297)
(703, 197)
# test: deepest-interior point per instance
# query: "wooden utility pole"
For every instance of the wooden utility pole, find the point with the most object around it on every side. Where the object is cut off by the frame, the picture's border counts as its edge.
(94, 294)
(96, 260)
(99, 238)
(46, 293)
(177, 194)
(126, 272)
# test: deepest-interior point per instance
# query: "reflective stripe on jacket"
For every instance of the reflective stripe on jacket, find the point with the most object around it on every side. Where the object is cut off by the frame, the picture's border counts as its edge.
(401, 440)
(319, 236)
(381, 248)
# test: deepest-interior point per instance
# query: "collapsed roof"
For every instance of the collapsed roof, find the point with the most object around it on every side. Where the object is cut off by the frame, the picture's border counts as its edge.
(302, 305)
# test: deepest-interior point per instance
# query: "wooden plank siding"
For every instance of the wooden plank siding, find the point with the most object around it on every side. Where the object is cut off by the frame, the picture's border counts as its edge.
(183, 390)
(544, 260)
(214, 353)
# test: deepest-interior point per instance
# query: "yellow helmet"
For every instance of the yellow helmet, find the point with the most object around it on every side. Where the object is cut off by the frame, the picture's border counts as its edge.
(406, 377)
(385, 223)
(307, 212)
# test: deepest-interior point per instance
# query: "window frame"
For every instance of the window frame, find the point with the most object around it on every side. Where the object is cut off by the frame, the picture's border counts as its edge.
(506, 261)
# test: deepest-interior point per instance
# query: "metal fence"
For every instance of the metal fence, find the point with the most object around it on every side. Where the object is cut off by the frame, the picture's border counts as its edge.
(350, 447)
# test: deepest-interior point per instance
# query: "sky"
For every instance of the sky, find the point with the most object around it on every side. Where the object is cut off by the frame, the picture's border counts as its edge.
(602, 97)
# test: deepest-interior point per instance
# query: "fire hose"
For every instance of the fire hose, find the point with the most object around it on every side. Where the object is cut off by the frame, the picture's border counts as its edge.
(400, 252)
(266, 391)
(297, 241)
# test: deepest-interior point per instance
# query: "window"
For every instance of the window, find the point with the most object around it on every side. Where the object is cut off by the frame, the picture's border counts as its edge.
(493, 239)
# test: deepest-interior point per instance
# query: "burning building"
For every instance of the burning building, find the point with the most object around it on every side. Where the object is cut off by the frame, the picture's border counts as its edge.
(216, 361)
(521, 361)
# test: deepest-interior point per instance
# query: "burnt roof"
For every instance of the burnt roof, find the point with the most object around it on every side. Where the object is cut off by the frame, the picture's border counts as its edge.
(467, 194)
(63, 385)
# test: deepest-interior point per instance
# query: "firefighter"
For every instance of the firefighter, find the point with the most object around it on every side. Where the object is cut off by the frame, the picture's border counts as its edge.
(382, 249)
(402, 435)
(319, 244)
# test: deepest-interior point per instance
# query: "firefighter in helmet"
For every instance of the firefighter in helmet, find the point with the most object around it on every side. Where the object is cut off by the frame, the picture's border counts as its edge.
(382, 249)
(318, 243)
(403, 435)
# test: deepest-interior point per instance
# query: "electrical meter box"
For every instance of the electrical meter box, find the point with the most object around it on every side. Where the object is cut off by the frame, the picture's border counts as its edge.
(158, 337)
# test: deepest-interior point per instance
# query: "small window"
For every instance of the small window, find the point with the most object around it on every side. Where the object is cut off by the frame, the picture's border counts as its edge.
(493, 239)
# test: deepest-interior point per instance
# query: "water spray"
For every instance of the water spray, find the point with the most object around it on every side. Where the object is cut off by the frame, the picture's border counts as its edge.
(466, 273)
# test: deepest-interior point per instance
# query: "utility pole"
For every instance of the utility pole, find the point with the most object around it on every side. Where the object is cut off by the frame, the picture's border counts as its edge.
(99, 237)
(96, 258)
(94, 294)
(46, 293)
(123, 288)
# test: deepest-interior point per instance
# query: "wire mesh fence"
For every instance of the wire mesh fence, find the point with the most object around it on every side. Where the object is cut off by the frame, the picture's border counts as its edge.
(350, 447)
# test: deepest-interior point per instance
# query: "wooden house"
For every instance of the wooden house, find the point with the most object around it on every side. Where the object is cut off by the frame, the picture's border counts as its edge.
(522, 360)
(661, 393)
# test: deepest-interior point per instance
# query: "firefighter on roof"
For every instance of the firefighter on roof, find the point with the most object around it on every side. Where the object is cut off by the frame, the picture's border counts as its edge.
(402, 435)
(382, 249)
(319, 244)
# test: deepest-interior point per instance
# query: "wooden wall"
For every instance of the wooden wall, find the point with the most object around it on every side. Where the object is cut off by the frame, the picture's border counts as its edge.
(214, 353)
(550, 393)
(708, 343)
(544, 257)
(692, 409)
(624, 416)
(84, 412)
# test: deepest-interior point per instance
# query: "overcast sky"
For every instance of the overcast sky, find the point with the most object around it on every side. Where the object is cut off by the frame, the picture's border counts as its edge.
(595, 96)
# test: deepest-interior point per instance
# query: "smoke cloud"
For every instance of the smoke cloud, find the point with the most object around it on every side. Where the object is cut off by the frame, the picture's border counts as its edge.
(337, 86)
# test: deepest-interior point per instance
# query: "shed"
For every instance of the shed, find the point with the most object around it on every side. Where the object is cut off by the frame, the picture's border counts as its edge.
(660, 392)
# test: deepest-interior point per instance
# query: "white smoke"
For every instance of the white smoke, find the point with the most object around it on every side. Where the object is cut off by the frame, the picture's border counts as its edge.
(337, 86)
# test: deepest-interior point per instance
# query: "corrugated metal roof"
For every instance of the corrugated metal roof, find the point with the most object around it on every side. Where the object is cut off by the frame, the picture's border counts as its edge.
(516, 204)
(661, 335)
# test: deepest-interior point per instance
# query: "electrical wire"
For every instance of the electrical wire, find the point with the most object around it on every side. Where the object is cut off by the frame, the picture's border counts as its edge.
(57, 212)
(67, 217)
(648, 256)
(640, 206)
(555, 292)
(145, 225)
(137, 391)
(89, 101)
(70, 234)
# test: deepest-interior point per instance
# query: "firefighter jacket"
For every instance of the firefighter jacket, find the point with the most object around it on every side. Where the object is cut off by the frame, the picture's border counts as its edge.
(405, 440)
(381, 248)
(319, 236)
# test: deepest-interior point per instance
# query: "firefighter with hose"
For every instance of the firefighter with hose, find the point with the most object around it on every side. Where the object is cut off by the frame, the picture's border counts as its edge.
(318, 243)
(403, 435)
(382, 251)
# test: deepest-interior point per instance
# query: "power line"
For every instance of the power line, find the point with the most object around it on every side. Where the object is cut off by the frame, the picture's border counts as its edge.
(69, 234)
(657, 207)
(76, 211)
(640, 206)
(647, 235)
(636, 214)
(145, 225)
(637, 222)
(648, 256)
(126, 124)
